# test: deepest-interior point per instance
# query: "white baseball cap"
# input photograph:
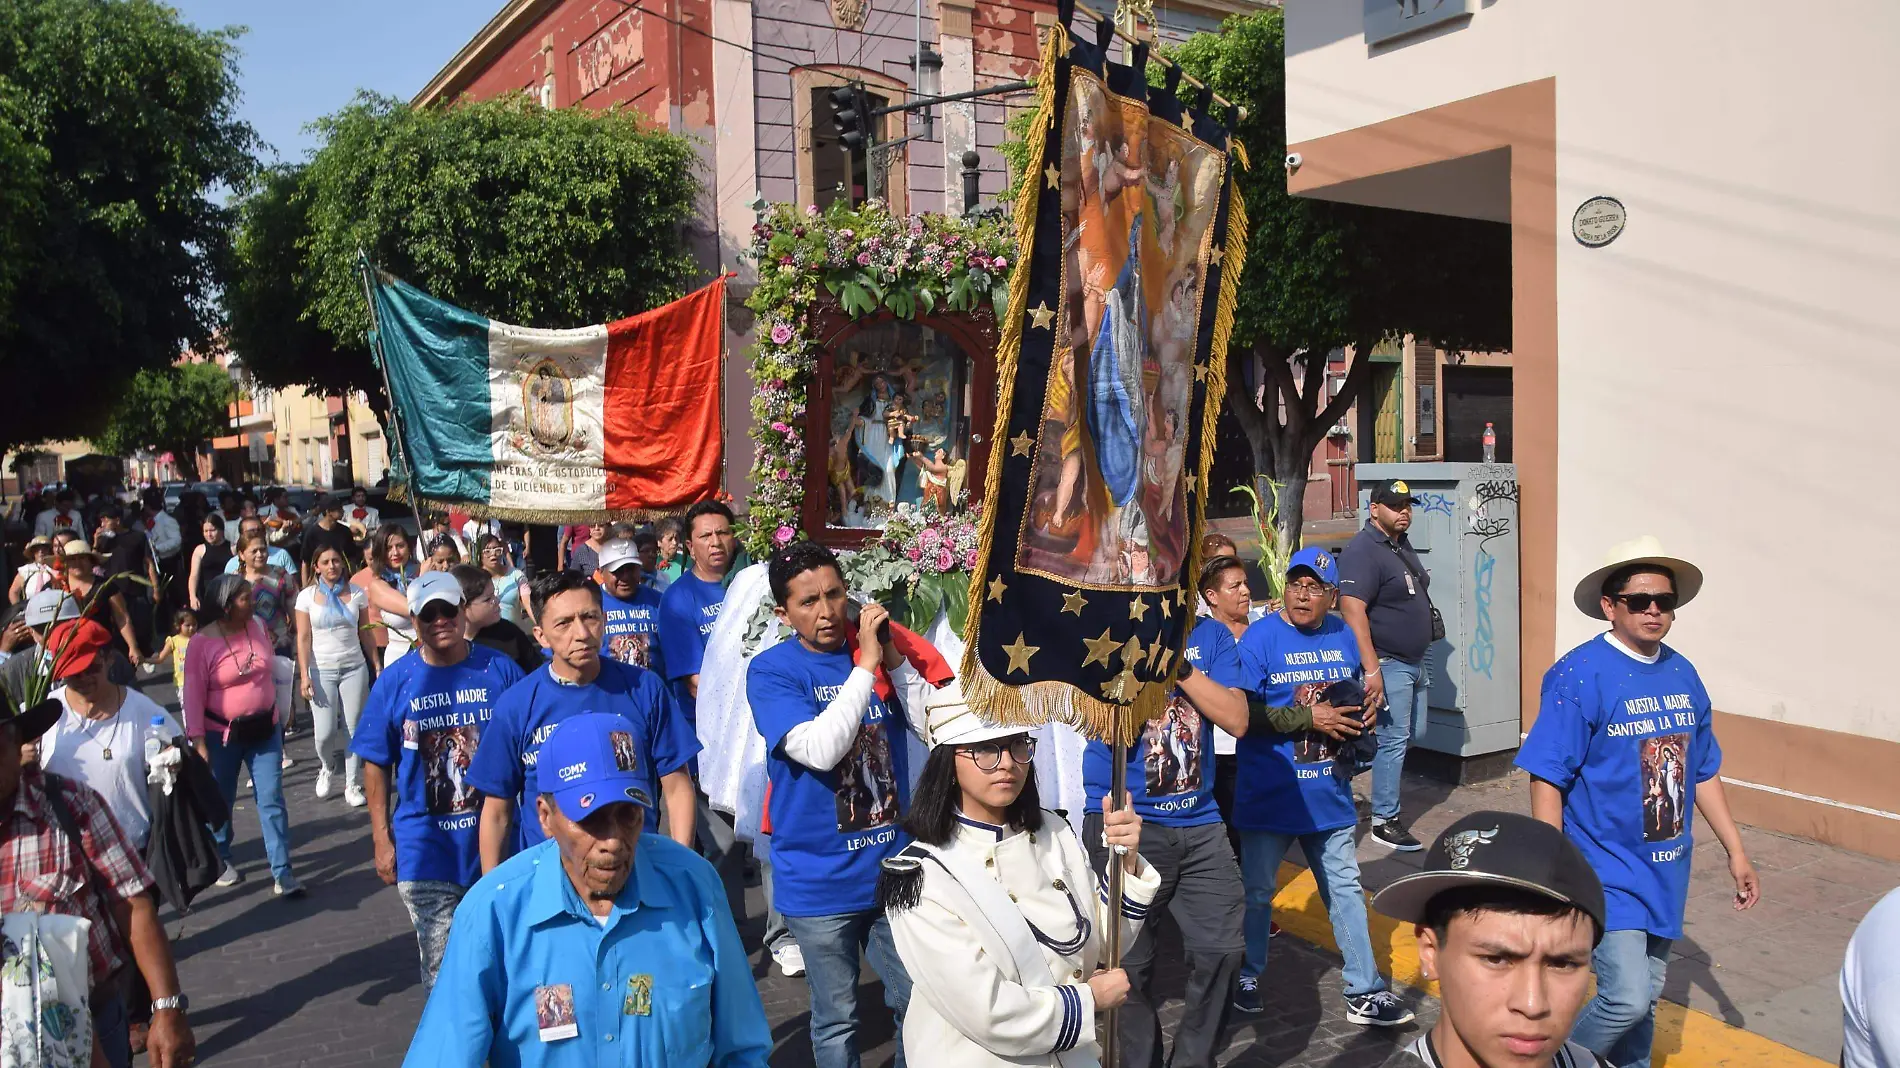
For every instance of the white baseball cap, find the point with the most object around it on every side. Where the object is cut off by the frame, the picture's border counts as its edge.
(617, 554)
(434, 586)
(50, 606)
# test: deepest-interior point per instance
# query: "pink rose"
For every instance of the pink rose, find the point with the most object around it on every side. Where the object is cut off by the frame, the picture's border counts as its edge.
(781, 428)
(969, 559)
(783, 535)
(811, 211)
(914, 553)
(864, 259)
(1000, 262)
(946, 560)
(929, 538)
(781, 333)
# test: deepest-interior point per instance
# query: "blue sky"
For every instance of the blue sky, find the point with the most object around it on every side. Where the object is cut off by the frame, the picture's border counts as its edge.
(302, 59)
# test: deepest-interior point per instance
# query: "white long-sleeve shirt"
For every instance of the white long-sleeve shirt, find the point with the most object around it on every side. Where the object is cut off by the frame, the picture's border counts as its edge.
(970, 1009)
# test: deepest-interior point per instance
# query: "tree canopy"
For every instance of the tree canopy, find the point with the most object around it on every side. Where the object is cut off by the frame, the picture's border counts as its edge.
(1322, 275)
(117, 122)
(170, 409)
(547, 218)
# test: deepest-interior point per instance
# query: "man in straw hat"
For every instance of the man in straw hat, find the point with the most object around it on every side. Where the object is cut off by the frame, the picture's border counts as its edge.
(1506, 912)
(1622, 750)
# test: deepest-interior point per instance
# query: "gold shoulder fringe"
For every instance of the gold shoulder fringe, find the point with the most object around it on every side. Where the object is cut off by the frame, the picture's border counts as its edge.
(1058, 702)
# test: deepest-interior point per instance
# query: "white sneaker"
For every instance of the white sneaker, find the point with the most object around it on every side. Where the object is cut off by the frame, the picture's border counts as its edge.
(230, 876)
(288, 763)
(790, 958)
(323, 782)
(288, 886)
(353, 796)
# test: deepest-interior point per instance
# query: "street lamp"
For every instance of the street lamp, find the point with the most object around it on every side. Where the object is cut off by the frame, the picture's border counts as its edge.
(929, 67)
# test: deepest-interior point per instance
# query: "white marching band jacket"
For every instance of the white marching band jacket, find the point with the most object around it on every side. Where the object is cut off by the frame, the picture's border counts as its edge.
(1000, 931)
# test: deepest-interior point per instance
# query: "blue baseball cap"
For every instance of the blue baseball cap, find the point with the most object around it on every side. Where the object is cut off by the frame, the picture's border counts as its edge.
(590, 762)
(1321, 563)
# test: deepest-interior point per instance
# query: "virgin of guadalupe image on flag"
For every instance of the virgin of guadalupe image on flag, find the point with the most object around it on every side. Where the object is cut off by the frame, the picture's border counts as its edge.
(1112, 368)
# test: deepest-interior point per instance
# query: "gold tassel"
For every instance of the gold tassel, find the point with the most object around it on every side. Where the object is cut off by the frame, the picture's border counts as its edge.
(400, 492)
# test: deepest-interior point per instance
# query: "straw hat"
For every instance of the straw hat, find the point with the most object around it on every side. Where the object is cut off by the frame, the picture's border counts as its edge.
(1643, 550)
(949, 720)
(77, 547)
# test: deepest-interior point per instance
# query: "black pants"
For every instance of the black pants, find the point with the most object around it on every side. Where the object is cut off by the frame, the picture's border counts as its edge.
(1201, 890)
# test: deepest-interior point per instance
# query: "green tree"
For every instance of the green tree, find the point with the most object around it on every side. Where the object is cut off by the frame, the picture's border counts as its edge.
(524, 214)
(1323, 275)
(117, 121)
(171, 409)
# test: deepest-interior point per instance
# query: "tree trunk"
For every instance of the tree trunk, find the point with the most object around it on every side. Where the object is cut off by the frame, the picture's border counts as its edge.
(1290, 474)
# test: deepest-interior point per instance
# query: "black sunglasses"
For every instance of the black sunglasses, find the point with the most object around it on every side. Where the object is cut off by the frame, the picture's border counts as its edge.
(437, 611)
(1640, 602)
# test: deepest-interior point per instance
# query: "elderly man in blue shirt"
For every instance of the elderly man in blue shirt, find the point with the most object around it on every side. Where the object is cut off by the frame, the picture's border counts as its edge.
(595, 947)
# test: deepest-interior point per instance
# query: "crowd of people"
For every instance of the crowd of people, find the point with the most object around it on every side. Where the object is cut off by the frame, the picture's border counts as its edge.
(526, 748)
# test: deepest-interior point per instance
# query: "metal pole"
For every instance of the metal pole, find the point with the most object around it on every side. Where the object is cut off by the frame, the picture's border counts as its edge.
(1117, 787)
(972, 177)
(382, 364)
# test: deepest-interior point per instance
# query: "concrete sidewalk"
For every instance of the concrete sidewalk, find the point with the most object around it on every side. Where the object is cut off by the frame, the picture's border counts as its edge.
(1771, 971)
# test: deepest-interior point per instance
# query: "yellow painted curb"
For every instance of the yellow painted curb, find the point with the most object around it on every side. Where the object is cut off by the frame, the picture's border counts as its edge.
(1685, 1038)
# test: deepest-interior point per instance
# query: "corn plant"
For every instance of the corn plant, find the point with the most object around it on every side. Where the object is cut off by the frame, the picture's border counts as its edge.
(1266, 516)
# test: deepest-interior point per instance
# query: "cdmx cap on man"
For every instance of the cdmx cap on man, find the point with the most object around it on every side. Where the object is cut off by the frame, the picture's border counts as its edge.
(1506, 849)
(592, 761)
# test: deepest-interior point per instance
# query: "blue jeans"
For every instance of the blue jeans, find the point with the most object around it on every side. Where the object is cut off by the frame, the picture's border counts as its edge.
(775, 930)
(264, 760)
(112, 1023)
(831, 945)
(1335, 863)
(1619, 1024)
(1399, 721)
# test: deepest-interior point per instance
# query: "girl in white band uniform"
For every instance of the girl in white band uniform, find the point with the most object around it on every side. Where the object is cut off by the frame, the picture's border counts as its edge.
(995, 911)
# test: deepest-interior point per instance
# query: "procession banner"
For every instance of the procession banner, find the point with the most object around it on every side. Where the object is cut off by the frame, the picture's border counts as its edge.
(1112, 366)
(617, 421)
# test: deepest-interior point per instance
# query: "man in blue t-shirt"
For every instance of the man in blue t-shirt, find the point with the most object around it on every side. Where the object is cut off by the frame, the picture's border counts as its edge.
(576, 679)
(1303, 669)
(690, 606)
(1621, 752)
(1170, 782)
(837, 765)
(632, 633)
(423, 721)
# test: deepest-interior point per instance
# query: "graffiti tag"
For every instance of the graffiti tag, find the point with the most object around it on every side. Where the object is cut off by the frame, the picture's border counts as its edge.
(1483, 653)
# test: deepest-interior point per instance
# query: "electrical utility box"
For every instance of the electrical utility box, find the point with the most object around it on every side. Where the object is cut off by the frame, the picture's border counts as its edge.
(1464, 527)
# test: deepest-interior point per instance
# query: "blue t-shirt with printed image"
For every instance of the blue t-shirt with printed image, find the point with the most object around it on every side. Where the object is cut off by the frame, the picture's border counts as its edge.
(688, 610)
(1170, 767)
(1627, 742)
(1302, 782)
(426, 723)
(511, 749)
(632, 634)
(831, 829)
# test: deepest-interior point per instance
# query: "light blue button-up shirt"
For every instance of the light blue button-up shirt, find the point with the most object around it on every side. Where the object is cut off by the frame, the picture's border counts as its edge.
(664, 982)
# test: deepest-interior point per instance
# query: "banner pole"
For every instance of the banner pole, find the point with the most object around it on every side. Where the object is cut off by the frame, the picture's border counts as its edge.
(382, 365)
(1117, 788)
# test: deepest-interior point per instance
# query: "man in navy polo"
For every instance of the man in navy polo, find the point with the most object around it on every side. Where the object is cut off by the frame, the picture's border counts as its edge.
(598, 946)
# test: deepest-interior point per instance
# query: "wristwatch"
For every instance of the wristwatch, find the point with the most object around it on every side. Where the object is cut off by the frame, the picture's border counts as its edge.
(176, 1001)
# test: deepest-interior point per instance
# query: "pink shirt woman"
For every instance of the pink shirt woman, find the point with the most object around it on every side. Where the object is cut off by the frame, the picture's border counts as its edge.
(227, 676)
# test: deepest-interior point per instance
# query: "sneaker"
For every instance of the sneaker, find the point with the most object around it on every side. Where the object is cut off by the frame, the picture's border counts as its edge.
(1247, 995)
(1381, 1008)
(230, 876)
(323, 783)
(353, 796)
(1393, 835)
(288, 763)
(288, 886)
(1273, 929)
(790, 958)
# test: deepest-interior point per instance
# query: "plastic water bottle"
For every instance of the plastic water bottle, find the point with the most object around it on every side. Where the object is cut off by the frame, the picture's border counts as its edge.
(1490, 444)
(154, 740)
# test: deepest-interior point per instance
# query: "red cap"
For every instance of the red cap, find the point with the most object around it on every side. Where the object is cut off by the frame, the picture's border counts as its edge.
(77, 644)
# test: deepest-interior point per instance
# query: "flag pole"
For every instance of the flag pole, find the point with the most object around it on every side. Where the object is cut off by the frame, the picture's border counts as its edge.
(367, 271)
(1117, 788)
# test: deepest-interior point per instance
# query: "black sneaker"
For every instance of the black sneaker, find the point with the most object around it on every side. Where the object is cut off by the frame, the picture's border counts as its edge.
(1247, 995)
(1393, 835)
(1381, 1008)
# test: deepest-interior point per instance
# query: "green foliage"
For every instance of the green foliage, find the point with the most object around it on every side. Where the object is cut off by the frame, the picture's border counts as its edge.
(524, 214)
(117, 120)
(171, 409)
(869, 261)
(1015, 150)
(1273, 556)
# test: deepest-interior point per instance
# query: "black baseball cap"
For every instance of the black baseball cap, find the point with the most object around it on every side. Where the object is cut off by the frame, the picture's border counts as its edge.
(1393, 493)
(1503, 849)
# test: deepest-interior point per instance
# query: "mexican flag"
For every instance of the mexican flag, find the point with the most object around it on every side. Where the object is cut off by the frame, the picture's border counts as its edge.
(617, 421)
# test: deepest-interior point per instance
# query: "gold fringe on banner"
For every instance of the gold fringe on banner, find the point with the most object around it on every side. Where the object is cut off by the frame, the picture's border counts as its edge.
(400, 492)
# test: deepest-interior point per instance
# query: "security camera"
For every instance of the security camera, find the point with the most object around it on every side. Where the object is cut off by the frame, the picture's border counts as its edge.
(1293, 161)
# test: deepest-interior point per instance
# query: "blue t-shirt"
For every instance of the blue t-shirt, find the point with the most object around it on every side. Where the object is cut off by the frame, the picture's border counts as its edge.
(426, 723)
(1170, 770)
(1294, 783)
(505, 762)
(633, 630)
(688, 610)
(1627, 742)
(830, 829)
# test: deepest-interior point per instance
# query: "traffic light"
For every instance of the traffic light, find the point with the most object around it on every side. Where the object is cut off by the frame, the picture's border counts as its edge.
(851, 114)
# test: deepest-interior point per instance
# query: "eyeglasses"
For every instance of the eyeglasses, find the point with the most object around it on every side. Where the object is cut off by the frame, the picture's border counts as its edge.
(1640, 602)
(988, 756)
(1305, 589)
(437, 611)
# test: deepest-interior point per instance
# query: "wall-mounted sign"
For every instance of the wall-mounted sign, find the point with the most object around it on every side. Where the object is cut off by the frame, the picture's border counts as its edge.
(1389, 20)
(1598, 221)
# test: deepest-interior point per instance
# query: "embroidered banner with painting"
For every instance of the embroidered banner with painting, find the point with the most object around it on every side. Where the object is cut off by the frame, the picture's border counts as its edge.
(617, 421)
(1112, 367)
